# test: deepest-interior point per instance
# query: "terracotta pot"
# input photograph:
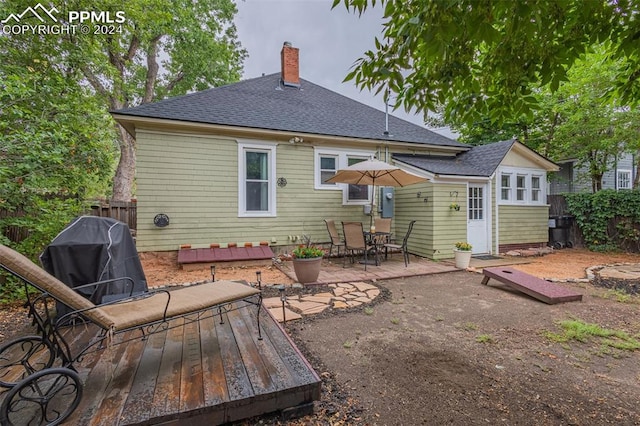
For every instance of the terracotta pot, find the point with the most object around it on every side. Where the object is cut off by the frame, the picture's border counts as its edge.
(462, 257)
(307, 270)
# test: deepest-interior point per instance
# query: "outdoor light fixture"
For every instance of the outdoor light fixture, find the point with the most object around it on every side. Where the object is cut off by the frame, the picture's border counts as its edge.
(213, 272)
(283, 299)
(259, 279)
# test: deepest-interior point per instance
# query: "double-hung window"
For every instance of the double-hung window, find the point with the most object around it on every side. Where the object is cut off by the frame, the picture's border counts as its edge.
(328, 168)
(536, 189)
(327, 164)
(505, 187)
(522, 186)
(357, 193)
(256, 180)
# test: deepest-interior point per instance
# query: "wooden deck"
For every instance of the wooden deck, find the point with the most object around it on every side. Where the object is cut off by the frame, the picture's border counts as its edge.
(198, 373)
(540, 289)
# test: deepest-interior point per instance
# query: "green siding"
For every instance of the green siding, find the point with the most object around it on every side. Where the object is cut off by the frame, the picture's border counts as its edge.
(523, 224)
(194, 180)
(437, 227)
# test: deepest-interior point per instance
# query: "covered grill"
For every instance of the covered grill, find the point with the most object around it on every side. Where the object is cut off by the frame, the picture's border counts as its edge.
(91, 249)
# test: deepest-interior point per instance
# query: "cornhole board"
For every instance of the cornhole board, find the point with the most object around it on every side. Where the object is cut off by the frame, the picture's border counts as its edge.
(540, 289)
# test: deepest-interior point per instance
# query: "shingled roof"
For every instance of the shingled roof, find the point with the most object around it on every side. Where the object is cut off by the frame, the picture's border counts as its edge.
(482, 160)
(266, 103)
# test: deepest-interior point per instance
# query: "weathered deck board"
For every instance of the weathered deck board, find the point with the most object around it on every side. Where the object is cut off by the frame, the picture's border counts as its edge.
(197, 373)
(535, 287)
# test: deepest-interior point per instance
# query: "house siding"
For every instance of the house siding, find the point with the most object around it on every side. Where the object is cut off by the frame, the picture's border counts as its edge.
(523, 225)
(193, 178)
(437, 228)
(577, 179)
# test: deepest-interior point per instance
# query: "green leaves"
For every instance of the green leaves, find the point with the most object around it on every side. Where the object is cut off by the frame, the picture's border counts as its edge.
(608, 219)
(471, 59)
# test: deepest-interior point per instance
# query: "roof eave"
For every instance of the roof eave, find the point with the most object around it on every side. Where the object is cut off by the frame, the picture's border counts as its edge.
(131, 122)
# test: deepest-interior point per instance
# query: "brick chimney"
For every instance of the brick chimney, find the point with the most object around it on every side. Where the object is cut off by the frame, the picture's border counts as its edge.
(290, 65)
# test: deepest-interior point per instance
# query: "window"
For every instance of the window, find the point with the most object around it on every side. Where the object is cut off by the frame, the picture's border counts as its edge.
(476, 203)
(505, 184)
(535, 189)
(624, 179)
(521, 188)
(357, 192)
(256, 171)
(327, 164)
(328, 168)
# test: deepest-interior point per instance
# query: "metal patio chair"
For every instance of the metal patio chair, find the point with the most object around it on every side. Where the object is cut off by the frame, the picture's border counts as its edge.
(355, 241)
(336, 241)
(403, 246)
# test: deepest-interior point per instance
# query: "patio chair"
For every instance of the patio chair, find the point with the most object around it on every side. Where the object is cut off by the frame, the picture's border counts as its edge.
(38, 370)
(354, 241)
(403, 246)
(383, 225)
(336, 241)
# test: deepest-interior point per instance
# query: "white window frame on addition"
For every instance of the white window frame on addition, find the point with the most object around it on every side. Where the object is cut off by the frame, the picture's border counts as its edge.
(270, 150)
(342, 157)
(521, 186)
(619, 179)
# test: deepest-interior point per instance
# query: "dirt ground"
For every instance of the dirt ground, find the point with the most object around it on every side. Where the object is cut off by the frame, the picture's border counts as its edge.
(444, 349)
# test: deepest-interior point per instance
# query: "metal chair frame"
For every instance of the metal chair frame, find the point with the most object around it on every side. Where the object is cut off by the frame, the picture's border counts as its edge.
(403, 246)
(27, 363)
(336, 241)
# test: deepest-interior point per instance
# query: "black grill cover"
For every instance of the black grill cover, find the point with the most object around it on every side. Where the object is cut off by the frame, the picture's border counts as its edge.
(91, 249)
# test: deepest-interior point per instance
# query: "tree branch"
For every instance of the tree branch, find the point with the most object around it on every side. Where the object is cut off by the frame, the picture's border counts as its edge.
(175, 81)
(152, 70)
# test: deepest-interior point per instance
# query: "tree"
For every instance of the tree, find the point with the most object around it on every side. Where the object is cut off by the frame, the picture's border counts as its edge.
(482, 58)
(574, 122)
(55, 150)
(161, 48)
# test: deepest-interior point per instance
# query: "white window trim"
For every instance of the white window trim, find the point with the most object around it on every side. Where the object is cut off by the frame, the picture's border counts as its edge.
(270, 148)
(528, 174)
(509, 188)
(628, 173)
(342, 155)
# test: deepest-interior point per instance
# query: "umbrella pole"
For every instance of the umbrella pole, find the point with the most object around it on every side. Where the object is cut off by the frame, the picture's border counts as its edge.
(373, 198)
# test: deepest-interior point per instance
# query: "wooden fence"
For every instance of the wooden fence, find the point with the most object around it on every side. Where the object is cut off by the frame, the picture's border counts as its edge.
(124, 211)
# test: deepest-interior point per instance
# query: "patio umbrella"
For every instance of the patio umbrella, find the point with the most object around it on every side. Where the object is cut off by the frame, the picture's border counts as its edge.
(375, 172)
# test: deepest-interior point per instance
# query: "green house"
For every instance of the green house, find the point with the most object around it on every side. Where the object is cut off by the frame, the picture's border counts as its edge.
(248, 163)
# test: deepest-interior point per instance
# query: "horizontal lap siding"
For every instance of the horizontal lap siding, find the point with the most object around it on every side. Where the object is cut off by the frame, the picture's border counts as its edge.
(437, 227)
(194, 180)
(523, 224)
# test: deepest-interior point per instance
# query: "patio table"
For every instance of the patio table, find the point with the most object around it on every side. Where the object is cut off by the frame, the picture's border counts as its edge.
(377, 240)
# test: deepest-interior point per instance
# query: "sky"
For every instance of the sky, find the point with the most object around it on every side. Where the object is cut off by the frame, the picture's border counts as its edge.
(330, 42)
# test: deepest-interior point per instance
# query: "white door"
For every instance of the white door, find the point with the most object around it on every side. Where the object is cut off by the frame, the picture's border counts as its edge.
(477, 231)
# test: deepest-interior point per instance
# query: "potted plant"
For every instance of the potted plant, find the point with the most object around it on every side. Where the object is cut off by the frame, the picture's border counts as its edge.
(306, 263)
(454, 206)
(462, 254)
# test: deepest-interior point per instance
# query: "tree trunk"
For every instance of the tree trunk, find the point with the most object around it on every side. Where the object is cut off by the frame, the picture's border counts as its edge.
(125, 173)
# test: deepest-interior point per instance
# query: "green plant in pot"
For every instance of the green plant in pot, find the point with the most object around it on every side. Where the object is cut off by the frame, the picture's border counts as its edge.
(307, 261)
(462, 254)
(463, 246)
